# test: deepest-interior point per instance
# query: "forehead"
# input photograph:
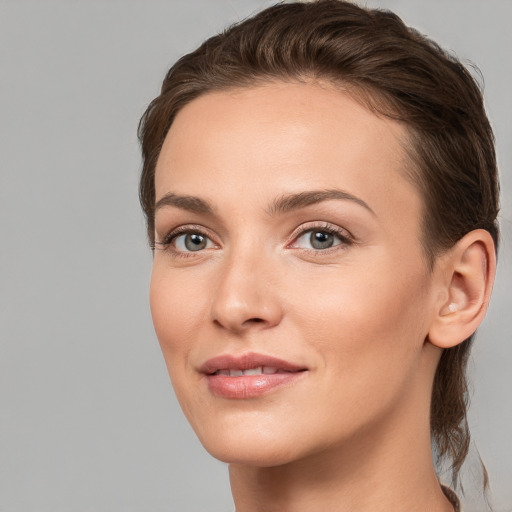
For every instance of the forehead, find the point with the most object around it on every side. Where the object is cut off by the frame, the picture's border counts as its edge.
(283, 138)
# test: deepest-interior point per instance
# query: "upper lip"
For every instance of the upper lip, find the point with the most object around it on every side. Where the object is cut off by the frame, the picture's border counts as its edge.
(245, 362)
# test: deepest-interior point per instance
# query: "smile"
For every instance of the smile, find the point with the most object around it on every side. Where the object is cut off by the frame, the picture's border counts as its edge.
(248, 376)
(260, 370)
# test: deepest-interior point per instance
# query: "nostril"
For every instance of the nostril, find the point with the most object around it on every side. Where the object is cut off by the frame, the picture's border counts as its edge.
(247, 322)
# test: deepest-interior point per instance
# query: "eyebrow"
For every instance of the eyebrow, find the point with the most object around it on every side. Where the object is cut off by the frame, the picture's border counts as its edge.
(281, 204)
(190, 203)
(290, 202)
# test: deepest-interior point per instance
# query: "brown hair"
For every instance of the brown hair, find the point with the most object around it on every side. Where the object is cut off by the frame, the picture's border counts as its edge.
(396, 72)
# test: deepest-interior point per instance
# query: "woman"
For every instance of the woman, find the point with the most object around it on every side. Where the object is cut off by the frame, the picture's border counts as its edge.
(321, 193)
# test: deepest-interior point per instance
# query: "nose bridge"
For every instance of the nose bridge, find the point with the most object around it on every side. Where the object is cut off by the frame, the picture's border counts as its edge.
(245, 296)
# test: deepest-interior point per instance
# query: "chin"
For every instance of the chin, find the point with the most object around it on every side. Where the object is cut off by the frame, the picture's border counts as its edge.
(251, 442)
(252, 454)
(256, 440)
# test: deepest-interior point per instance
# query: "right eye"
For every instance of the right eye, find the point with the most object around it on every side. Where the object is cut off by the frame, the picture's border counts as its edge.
(191, 241)
(186, 240)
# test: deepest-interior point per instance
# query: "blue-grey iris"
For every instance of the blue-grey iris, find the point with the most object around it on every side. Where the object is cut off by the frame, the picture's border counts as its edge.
(195, 242)
(321, 240)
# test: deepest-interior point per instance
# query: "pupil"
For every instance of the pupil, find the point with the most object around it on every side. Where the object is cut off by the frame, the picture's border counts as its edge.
(321, 240)
(195, 242)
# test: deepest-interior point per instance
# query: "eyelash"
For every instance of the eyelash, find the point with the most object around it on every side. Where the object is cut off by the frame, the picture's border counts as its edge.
(343, 236)
(167, 243)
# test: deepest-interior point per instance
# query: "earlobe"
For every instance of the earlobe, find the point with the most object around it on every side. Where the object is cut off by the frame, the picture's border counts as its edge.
(468, 275)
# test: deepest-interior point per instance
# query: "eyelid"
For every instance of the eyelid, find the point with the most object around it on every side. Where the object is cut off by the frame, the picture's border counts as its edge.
(344, 235)
(173, 233)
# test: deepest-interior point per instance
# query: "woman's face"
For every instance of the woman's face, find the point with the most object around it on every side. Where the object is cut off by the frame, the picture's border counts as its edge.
(288, 246)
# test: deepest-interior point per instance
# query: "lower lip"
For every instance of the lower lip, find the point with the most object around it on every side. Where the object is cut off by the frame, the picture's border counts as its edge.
(249, 386)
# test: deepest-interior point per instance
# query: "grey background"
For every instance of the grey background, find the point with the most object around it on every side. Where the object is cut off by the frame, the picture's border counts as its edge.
(88, 421)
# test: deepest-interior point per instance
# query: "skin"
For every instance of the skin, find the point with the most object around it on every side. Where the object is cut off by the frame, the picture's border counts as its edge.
(353, 432)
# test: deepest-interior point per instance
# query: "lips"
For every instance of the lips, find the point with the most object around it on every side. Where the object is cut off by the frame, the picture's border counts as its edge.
(260, 370)
(249, 375)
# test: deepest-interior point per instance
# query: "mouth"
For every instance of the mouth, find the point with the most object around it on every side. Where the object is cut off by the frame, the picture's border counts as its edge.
(259, 370)
(249, 375)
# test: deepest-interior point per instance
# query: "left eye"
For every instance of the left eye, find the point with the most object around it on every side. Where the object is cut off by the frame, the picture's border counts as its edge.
(191, 242)
(318, 239)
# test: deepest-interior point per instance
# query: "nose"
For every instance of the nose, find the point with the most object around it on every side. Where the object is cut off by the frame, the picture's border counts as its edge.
(247, 295)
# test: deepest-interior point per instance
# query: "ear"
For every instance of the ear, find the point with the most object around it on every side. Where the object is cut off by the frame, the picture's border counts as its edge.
(466, 278)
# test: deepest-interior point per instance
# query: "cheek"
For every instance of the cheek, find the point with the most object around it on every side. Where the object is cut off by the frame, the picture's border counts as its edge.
(177, 308)
(369, 338)
(368, 325)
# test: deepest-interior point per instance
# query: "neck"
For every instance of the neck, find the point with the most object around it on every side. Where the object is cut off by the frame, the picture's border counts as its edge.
(343, 479)
(387, 467)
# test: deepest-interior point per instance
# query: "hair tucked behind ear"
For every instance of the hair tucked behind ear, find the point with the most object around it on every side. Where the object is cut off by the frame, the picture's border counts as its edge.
(396, 72)
(448, 419)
